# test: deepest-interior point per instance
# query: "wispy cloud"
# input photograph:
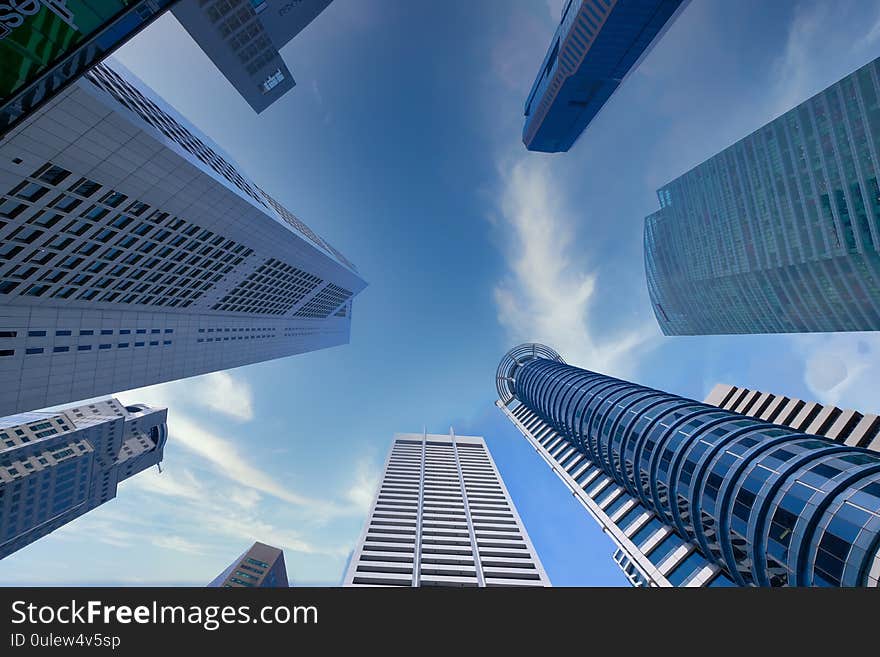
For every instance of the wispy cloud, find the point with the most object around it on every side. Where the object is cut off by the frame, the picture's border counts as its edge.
(178, 544)
(366, 481)
(548, 295)
(801, 71)
(219, 392)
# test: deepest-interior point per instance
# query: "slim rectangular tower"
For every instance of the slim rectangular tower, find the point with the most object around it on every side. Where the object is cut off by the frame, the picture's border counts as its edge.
(597, 45)
(57, 465)
(780, 232)
(443, 517)
(261, 566)
(133, 252)
(243, 38)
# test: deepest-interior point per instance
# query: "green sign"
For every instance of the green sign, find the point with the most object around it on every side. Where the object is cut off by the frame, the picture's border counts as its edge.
(36, 34)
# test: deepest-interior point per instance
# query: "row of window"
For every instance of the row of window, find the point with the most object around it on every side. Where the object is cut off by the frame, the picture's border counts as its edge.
(33, 351)
(84, 332)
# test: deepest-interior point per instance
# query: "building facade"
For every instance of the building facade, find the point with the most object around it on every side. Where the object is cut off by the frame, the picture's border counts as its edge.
(134, 252)
(443, 517)
(46, 45)
(597, 45)
(56, 466)
(842, 425)
(261, 566)
(779, 233)
(243, 37)
(694, 495)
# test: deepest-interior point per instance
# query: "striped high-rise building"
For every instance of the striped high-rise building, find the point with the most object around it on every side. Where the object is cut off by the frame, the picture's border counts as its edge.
(134, 252)
(842, 425)
(597, 45)
(780, 232)
(56, 466)
(692, 494)
(443, 517)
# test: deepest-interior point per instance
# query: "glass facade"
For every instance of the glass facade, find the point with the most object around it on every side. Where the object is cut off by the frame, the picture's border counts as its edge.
(707, 493)
(597, 44)
(780, 232)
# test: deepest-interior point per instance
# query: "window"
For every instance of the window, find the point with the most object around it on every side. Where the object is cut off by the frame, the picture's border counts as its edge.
(7, 352)
(33, 350)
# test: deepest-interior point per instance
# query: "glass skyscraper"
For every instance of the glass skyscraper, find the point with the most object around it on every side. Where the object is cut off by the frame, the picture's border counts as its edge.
(55, 466)
(780, 232)
(692, 494)
(443, 517)
(597, 45)
(133, 251)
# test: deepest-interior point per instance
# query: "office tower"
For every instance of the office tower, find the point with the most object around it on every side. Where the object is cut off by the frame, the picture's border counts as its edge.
(56, 466)
(694, 495)
(133, 252)
(597, 45)
(844, 426)
(46, 45)
(261, 566)
(780, 232)
(243, 37)
(443, 517)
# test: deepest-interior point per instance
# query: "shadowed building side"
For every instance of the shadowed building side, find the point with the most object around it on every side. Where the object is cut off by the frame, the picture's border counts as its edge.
(261, 566)
(597, 45)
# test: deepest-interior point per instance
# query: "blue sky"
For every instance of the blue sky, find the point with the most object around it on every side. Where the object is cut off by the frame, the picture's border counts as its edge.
(401, 146)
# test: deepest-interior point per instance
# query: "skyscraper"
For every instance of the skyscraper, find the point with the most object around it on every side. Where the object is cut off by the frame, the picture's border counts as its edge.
(443, 517)
(597, 45)
(694, 495)
(842, 425)
(261, 566)
(45, 45)
(56, 466)
(133, 252)
(780, 232)
(243, 37)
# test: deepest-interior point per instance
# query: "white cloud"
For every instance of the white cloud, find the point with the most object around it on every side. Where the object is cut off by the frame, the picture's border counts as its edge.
(226, 459)
(801, 70)
(168, 484)
(178, 544)
(366, 481)
(549, 294)
(246, 498)
(842, 368)
(218, 392)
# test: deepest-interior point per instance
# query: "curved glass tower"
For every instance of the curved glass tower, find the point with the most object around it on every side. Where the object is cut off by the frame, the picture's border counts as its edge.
(696, 495)
(780, 232)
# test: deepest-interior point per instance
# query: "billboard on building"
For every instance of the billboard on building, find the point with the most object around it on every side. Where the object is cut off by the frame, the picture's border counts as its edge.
(45, 44)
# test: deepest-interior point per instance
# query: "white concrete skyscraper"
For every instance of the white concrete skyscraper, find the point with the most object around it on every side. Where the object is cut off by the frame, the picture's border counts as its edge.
(134, 252)
(443, 517)
(57, 465)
